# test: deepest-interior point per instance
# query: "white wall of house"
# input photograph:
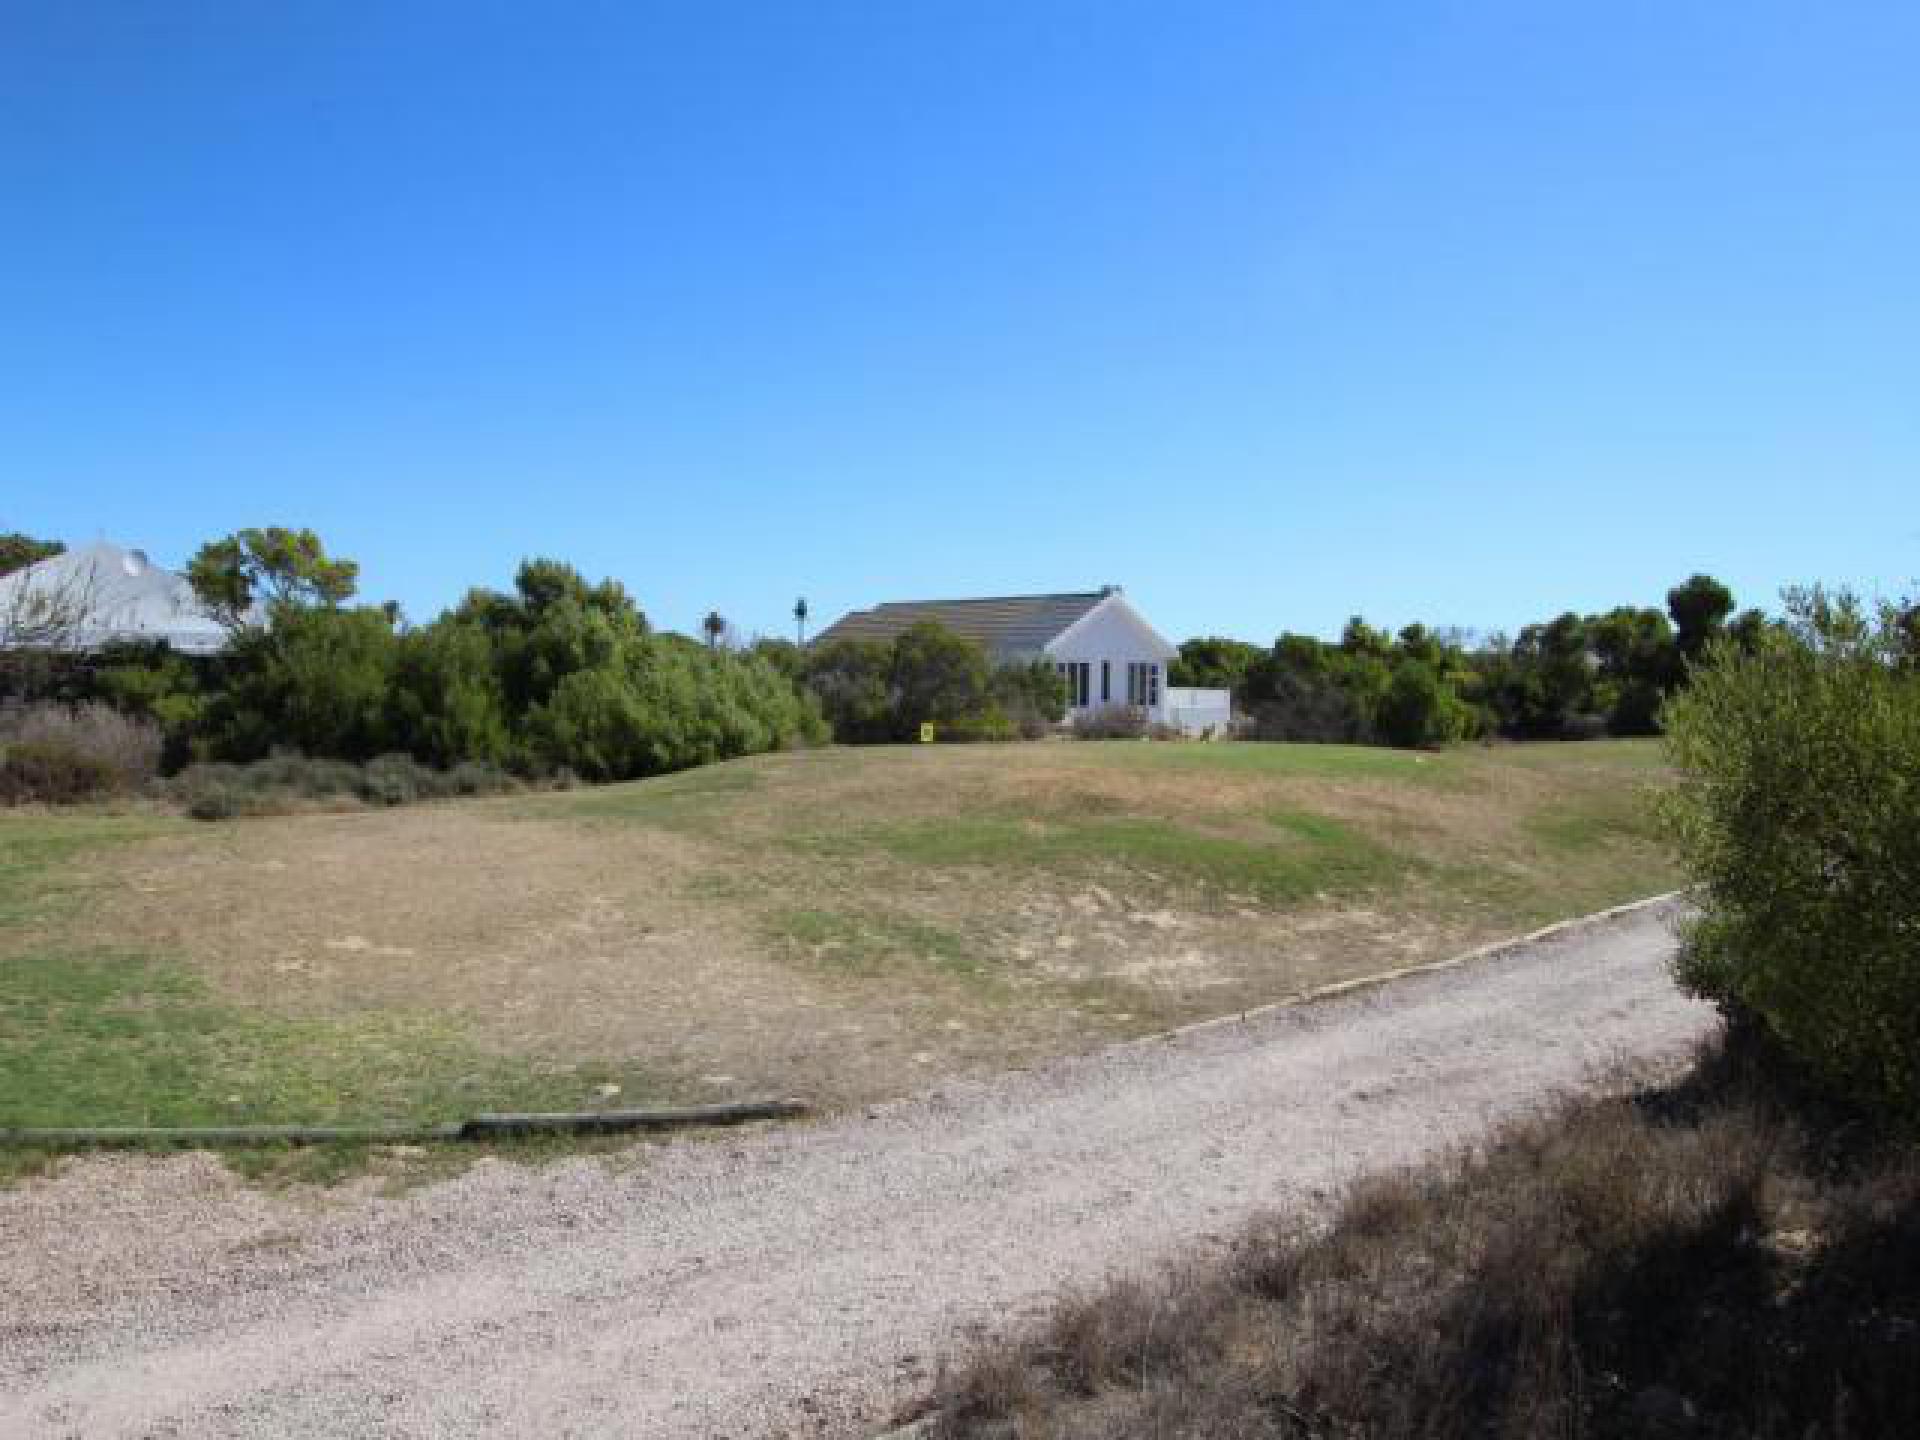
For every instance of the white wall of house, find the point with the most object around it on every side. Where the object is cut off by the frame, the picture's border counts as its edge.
(1109, 639)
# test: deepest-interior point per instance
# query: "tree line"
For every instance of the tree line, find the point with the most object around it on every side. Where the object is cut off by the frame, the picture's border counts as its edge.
(1574, 676)
(562, 675)
(555, 676)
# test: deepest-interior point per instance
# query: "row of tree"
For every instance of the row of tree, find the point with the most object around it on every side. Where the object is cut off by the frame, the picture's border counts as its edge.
(1571, 676)
(563, 674)
(555, 675)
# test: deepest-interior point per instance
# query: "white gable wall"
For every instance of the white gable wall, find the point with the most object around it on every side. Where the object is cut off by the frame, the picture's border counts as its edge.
(1112, 633)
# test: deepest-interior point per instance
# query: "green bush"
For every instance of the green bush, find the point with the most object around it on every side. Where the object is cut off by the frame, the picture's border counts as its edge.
(1421, 709)
(1798, 812)
(53, 772)
(1031, 698)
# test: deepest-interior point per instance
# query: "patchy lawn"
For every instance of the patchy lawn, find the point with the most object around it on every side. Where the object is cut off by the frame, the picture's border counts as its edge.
(846, 924)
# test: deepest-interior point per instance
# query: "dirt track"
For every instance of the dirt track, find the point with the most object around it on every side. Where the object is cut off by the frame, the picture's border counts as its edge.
(791, 1281)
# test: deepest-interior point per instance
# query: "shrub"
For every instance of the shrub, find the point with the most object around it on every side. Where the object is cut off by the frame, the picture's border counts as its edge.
(77, 751)
(216, 790)
(1032, 698)
(50, 772)
(1421, 709)
(1798, 812)
(1111, 722)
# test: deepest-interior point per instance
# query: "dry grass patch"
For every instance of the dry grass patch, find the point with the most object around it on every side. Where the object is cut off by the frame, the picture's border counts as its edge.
(852, 924)
(1701, 1259)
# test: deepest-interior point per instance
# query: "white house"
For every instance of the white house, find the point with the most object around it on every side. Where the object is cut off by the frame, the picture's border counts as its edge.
(100, 595)
(1108, 654)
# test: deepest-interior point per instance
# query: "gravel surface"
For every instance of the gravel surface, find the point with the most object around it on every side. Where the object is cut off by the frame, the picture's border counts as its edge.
(786, 1281)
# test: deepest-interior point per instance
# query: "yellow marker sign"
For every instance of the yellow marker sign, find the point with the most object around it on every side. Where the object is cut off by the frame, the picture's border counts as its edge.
(926, 733)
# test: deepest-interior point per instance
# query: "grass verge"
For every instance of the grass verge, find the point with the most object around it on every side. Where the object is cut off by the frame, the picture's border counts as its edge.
(1718, 1257)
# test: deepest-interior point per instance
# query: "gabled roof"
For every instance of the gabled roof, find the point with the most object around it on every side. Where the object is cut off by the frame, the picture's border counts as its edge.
(111, 595)
(1005, 626)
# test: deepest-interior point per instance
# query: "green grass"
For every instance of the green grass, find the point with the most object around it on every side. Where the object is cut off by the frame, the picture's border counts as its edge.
(34, 848)
(1304, 855)
(870, 945)
(111, 1039)
(96, 1037)
(1326, 762)
(682, 801)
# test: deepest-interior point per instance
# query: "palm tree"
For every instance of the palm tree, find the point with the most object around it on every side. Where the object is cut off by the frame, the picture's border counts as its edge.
(800, 618)
(715, 625)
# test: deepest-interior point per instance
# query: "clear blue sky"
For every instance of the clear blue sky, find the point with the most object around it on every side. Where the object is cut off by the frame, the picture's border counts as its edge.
(1271, 312)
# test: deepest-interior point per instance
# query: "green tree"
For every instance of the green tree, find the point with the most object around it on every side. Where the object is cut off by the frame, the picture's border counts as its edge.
(1637, 664)
(1798, 813)
(938, 678)
(1420, 708)
(18, 551)
(268, 570)
(1033, 697)
(1215, 662)
(851, 680)
(318, 682)
(1699, 606)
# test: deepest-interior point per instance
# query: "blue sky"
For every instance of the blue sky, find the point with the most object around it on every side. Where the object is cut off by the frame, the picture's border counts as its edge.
(1271, 312)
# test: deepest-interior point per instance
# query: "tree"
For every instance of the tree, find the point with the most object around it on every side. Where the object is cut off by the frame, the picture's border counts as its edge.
(1420, 708)
(1699, 606)
(1637, 664)
(1215, 662)
(851, 681)
(18, 551)
(319, 682)
(715, 626)
(1798, 814)
(251, 575)
(1746, 628)
(1033, 697)
(937, 678)
(1547, 681)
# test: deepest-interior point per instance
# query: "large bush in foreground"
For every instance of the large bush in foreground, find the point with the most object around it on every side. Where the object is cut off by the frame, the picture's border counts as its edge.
(1798, 811)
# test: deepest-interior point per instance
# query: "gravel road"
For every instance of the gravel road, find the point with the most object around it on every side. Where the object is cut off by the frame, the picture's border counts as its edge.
(790, 1281)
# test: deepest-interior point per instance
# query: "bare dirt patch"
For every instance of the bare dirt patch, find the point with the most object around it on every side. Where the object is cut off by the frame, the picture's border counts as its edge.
(545, 938)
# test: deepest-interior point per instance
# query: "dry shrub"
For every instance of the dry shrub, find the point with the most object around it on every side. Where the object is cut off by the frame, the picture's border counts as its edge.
(1698, 1261)
(283, 784)
(1111, 722)
(57, 754)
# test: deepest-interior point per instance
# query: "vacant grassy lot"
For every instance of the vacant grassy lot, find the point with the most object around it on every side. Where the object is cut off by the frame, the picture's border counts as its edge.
(843, 924)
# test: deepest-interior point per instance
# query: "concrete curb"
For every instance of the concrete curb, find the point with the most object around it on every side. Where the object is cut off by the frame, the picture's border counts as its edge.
(479, 1127)
(1338, 988)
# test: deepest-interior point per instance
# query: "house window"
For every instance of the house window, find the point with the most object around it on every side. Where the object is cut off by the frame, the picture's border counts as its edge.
(1079, 677)
(1106, 682)
(1143, 685)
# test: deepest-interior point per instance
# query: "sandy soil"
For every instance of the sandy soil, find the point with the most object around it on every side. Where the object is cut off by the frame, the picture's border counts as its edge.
(796, 1281)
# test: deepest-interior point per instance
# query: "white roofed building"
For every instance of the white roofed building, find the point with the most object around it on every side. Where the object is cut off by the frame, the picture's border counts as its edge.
(100, 595)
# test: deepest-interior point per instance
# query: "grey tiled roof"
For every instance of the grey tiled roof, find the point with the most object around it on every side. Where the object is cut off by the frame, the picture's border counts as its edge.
(1005, 626)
